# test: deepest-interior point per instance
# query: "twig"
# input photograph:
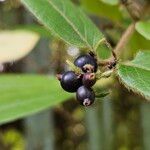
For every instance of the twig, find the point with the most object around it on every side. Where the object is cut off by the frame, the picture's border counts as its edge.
(124, 39)
(136, 11)
(134, 8)
(111, 62)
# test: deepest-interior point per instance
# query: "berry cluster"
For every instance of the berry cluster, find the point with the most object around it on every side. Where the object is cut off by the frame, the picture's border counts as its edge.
(82, 82)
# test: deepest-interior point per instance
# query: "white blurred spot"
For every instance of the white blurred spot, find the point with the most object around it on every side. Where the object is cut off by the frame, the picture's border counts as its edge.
(2, 0)
(73, 51)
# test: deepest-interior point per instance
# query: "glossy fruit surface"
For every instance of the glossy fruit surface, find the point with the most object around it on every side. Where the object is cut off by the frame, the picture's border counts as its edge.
(70, 82)
(85, 96)
(89, 79)
(83, 60)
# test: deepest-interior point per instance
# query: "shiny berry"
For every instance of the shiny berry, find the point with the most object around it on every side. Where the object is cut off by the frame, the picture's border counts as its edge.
(69, 81)
(87, 63)
(85, 96)
(89, 79)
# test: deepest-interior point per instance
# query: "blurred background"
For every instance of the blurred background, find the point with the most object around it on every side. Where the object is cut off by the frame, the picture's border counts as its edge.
(120, 121)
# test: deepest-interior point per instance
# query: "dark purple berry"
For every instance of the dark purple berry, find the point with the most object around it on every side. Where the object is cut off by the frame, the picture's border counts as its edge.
(87, 63)
(70, 81)
(89, 79)
(85, 96)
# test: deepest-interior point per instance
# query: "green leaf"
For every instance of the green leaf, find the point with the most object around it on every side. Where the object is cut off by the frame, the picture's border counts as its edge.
(40, 30)
(103, 51)
(23, 95)
(136, 42)
(101, 9)
(143, 27)
(142, 60)
(111, 2)
(12, 44)
(135, 75)
(66, 21)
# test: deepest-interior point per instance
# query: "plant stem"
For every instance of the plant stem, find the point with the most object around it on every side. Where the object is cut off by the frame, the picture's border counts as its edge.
(120, 46)
(124, 39)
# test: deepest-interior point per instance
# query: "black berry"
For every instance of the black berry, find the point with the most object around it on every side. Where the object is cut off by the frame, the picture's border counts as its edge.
(85, 96)
(70, 82)
(87, 63)
(89, 79)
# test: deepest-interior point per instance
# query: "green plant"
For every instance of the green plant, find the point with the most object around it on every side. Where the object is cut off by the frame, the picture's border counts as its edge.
(69, 23)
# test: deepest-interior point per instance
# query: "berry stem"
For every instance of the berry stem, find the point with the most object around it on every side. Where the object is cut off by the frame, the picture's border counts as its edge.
(105, 74)
(73, 67)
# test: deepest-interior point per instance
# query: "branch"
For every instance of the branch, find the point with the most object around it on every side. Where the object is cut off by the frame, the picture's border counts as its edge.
(136, 11)
(124, 39)
(111, 62)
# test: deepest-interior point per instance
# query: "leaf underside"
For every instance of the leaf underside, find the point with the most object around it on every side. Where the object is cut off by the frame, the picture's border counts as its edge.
(23, 95)
(135, 75)
(143, 27)
(66, 21)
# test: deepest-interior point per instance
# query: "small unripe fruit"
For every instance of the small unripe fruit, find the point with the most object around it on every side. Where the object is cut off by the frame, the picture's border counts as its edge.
(86, 62)
(70, 82)
(85, 96)
(89, 79)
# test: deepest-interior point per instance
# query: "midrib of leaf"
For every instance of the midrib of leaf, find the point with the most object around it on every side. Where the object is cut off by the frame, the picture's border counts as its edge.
(70, 23)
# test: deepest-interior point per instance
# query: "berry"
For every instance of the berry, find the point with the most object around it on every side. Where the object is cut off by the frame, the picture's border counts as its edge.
(70, 82)
(89, 79)
(85, 96)
(87, 63)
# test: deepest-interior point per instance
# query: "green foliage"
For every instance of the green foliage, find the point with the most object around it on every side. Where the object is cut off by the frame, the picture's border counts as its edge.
(137, 42)
(42, 31)
(101, 9)
(66, 21)
(143, 27)
(111, 2)
(142, 60)
(135, 75)
(22, 95)
(13, 139)
(103, 51)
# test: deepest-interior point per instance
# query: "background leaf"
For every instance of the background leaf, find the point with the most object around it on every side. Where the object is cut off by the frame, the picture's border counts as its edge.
(66, 21)
(142, 60)
(16, 44)
(143, 27)
(40, 30)
(136, 42)
(101, 9)
(135, 75)
(111, 2)
(22, 95)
